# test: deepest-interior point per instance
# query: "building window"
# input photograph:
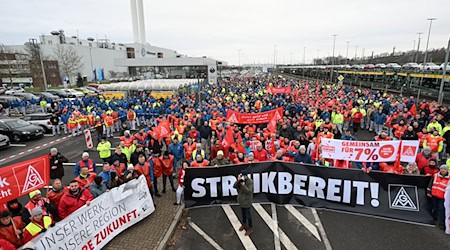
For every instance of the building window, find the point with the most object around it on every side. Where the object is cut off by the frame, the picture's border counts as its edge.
(131, 53)
(160, 55)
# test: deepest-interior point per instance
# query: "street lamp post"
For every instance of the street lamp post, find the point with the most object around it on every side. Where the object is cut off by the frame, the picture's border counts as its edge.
(239, 64)
(441, 89)
(34, 43)
(356, 52)
(274, 56)
(346, 54)
(332, 59)
(418, 46)
(304, 55)
(428, 39)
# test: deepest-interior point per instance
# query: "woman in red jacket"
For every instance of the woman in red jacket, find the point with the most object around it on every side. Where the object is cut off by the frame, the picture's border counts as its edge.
(180, 188)
(357, 117)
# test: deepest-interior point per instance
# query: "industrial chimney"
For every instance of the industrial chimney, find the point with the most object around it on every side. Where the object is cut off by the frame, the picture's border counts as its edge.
(138, 21)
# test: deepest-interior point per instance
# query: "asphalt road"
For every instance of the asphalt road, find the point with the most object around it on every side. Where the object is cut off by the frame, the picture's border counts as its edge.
(341, 230)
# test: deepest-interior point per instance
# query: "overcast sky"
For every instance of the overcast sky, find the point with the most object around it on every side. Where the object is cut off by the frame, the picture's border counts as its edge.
(218, 29)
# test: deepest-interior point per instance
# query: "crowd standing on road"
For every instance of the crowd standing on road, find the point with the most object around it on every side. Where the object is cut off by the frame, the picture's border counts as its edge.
(160, 138)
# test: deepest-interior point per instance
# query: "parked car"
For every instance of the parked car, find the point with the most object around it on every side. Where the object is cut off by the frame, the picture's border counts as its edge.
(26, 96)
(393, 66)
(20, 130)
(411, 66)
(98, 91)
(380, 66)
(442, 67)
(40, 119)
(4, 141)
(14, 90)
(86, 91)
(59, 92)
(73, 93)
(429, 67)
(369, 66)
(49, 96)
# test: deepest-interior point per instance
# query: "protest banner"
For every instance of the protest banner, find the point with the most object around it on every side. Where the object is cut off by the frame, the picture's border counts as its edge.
(254, 118)
(369, 151)
(92, 227)
(276, 90)
(376, 193)
(22, 178)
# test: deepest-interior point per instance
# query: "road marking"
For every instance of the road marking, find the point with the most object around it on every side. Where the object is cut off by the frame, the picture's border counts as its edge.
(205, 236)
(270, 222)
(276, 232)
(326, 242)
(17, 145)
(311, 228)
(246, 241)
(48, 135)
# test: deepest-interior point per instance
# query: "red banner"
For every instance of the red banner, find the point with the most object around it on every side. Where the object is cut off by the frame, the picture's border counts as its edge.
(254, 118)
(22, 178)
(274, 90)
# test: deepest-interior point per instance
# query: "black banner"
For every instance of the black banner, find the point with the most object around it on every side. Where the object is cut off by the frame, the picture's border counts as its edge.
(382, 194)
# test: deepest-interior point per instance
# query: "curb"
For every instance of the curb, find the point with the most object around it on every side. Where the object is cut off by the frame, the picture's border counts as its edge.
(176, 219)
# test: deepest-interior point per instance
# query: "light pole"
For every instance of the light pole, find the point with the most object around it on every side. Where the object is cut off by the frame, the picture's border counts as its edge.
(239, 64)
(274, 56)
(304, 55)
(428, 40)
(318, 56)
(356, 52)
(346, 54)
(332, 59)
(418, 46)
(35, 45)
(441, 89)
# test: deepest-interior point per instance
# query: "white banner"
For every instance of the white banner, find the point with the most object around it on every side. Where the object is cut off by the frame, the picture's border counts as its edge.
(92, 227)
(369, 151)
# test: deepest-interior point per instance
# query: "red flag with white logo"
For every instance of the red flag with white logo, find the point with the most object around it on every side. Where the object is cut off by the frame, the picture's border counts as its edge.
(21, 178)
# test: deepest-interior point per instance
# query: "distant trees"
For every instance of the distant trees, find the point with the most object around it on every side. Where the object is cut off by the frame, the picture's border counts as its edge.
(69, 61)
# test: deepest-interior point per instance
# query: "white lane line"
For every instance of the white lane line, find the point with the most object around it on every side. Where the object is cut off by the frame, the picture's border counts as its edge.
(326, 242)
(246, 241)
(269, 221)
(276, 232)
(17, 145)
(48, 135)
(205, 236)
(311, 228)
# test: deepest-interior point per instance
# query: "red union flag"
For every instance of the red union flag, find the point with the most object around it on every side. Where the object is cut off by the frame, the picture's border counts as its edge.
(22, 178)
(275, 90)
(254, 118)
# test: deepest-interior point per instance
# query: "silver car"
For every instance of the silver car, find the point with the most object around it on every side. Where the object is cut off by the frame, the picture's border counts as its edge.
(40, 119)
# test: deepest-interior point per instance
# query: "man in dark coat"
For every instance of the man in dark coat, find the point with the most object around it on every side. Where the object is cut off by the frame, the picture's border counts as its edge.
(56, 164)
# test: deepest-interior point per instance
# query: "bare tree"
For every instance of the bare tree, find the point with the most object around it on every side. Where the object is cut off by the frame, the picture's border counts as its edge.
(33, 54)
(10, 62)
(69, 61)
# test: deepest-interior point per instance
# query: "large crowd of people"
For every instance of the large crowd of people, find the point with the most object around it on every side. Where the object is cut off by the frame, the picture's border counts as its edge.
(160, 138)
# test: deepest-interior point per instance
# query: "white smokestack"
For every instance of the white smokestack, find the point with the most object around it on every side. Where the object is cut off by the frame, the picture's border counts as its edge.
(142, 37)
(134, 21)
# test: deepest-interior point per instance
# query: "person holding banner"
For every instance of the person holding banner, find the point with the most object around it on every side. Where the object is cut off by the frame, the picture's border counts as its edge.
(447, 209)
(436, 191)
(39, 224)
(11, 228)
(180, 188)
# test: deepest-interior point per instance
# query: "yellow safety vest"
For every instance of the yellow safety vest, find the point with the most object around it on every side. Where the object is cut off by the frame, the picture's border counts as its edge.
(34, 228)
